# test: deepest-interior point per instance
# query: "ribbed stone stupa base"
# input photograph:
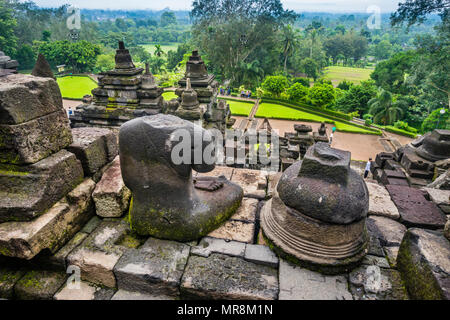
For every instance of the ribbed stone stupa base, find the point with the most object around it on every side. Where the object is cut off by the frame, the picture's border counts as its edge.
(327, 248)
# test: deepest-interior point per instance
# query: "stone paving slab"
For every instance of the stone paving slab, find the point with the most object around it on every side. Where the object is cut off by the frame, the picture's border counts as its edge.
(415, 210)
(111, 196)
(85, 291)
(58, 260)
(156, 268)
(223, 277)
(301, 284)
(233, 230)
(380, 202)
(252, 182)
(137, 296)
(247, 210)
(208, 246)
(261, 255)
(39, 285)
(440, 198)
(50, 231)
(389, 232)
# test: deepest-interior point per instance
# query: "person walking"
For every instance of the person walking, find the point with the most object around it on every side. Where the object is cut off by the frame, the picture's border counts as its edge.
(70, 112)
(368, 167)
(331, 137)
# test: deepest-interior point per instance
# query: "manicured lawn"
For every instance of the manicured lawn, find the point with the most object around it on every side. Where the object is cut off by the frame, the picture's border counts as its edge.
(169, 95)
(339, 74)
(165, 47)
(276, 111)
(74, 87)
(240, 108)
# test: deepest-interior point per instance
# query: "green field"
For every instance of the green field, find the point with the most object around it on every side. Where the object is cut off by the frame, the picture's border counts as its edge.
(165, 47)
(240, 108)
(276, 111)
(75, 87)
(339, 74)
(169, 95)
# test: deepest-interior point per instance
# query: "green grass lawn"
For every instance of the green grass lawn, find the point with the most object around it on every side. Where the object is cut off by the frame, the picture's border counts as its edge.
(165, 47)
(240, 108)
(74, 87)
(339, 74)
(169, 95)
(276, 111)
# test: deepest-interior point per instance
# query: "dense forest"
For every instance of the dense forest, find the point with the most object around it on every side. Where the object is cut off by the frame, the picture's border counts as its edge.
(258, 45)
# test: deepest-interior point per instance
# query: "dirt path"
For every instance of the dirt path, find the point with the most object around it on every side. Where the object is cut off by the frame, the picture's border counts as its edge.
(362, 146)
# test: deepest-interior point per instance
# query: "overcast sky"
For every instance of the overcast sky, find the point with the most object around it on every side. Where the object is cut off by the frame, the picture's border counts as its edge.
(298, 5)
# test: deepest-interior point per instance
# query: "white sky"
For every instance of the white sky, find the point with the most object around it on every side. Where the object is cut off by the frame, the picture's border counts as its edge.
(298, 5)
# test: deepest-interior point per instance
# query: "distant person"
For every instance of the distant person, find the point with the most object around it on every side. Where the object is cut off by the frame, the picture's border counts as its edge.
(331, 138)
(229, 91)
(249, 94)
(334, 129)
(368, 167)
(70, 112)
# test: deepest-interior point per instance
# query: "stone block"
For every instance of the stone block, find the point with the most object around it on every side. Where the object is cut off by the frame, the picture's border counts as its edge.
(236, 231)
(247, 210)
(94, 147)
(58, 260)
(39, 285)
(138, 296)
(391, 255)
(249, 180)
(302, 284)
(380, 203)
(415, 210)
(32, 141)
(85, 291)
(99, 253)
(208, 246)
(261, 255)
(155, 268)
(9, 276)
(441, 198)
(227, 172)
(389, 232)
(375, 261)
(51, 230)
(24, 98)
(424, 262)
(374, 283)
(221, 277)
(375, 248)
(91, 225)
(27, 192)
(111, 196)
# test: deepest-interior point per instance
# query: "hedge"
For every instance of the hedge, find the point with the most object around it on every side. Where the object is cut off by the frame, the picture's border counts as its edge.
(237, 100)
(400, 132)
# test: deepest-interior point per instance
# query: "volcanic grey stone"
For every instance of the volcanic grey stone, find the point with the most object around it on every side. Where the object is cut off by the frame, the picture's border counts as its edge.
(8, 279)
(39, 285)
(261, 255)
(435, 146)
(137, 296)
(208, 246)
(155, 268)
(58, 260)
(376, 261)
(85, 291)
(375, 248)
(301, 284)
(42, 68)
(380, 203)
(167, 204)
(424, 262)
(415, 210)
(222, 277)
(94, 147)
(28, 191)
(25, 98)
(389, 232)
(441, 198)
(391, 255)
(91, 225)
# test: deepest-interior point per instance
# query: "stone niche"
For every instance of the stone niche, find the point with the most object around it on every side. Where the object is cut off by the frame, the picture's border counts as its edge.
(317, 216)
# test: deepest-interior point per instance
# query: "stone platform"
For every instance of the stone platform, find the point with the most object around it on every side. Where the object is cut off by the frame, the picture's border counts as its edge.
(233, 262)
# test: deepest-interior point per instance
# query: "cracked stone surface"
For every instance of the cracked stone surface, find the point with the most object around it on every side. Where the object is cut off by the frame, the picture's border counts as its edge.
(236, 231)
(39, 285)
(440, 198)
(380, 203)
(301, 284)
(261, 255)
(208, 246)
(389, 232)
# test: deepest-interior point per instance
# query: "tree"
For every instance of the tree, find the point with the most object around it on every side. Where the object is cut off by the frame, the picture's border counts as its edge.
(25, 55)
(383, 50)
(413, 11)
(356, 98)
(310, 68)
(168, 18)
(158, 50)
(322, 95)
(385, 108)
(8, 40)
(297, 92)
(46, 35)
(105, 62)
(289, 37)
(275, 85)
(437, 121)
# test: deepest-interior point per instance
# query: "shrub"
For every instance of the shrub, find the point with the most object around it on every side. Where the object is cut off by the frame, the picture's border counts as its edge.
(369, 122)
(297, 92)
(275, 85)
(303, 81)
(322, 95)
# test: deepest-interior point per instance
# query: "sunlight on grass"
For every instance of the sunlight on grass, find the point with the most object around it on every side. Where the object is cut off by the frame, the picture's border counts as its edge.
(339, 74)
(74, 87)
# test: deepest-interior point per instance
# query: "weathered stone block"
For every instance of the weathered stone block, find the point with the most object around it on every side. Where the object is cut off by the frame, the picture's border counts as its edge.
(51, 230)
(8, 278)
(155, 268)
(32, 141)
(389, 232)
(302, 284)
(27, 192)
(376, 261)
(24, 98)
(39, 285)
(261, 255)
(83, 292)
(424, 262)
(111, 196)
(58, 260)
(208, 246)
(94, 147)
(441, 198)
(380, 203)
(415, 210)
(137, 296)
(249, 181)
(99, 253)
(223, 277)
(236, 231)
(247, 210)
(391, 255)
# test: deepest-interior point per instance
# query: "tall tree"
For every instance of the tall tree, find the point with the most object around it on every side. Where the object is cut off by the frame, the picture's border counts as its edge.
(414, 11)
(385, 108)
(8, 41)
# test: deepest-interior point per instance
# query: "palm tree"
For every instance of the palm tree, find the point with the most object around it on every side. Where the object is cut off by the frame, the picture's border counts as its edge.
(289, 37)
(158, 51)
(385, 108)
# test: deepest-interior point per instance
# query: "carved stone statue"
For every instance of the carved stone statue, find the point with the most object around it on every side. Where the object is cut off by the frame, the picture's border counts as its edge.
(318, 212)
(167, 202)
